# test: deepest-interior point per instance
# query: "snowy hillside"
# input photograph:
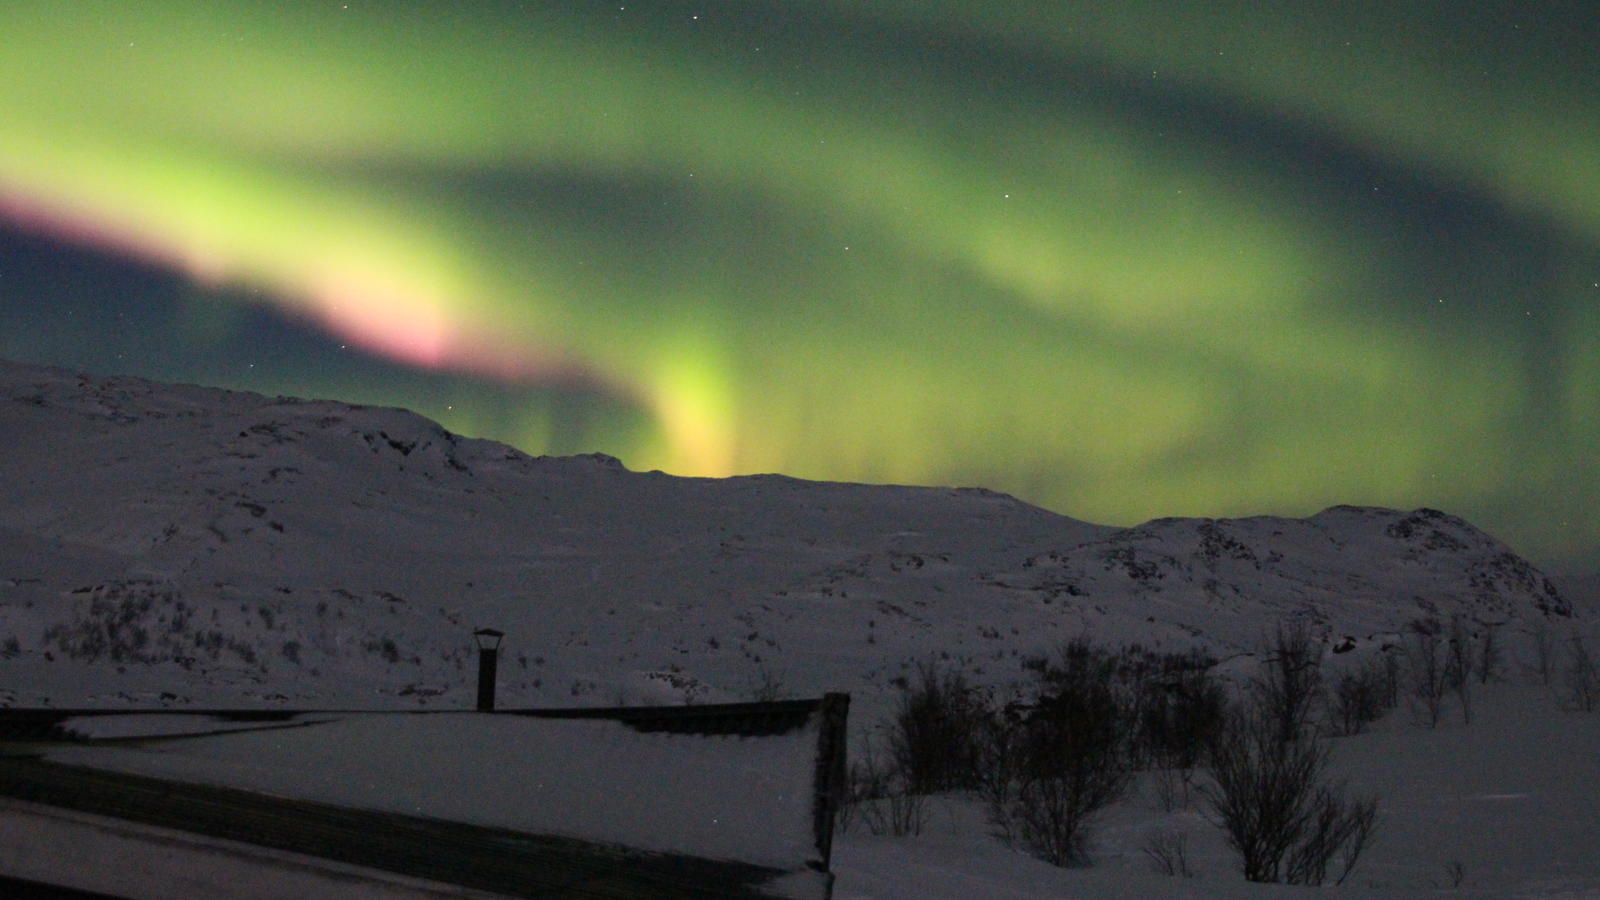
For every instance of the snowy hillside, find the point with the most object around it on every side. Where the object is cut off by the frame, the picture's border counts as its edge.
(224, 547)
(166, 545)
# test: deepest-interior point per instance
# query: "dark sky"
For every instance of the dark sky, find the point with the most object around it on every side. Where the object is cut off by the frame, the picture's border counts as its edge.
(1121, 259)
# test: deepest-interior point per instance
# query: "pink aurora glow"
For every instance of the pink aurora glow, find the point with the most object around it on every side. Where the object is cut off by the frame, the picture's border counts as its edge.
(359, 309)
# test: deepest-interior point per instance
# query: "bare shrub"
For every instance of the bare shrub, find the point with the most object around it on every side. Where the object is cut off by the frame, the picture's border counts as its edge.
(1275, 807)
(767, 685)
(935, 733)
(1178, 716)
(1290, 681)
(1359, 698)
(1263, 787)
(1581, 678)
(1544, 653)
(1050, 815)
(1425, 670)
(1000, 755)
(1071, 758)
(1391, 676)
(1338, 827)
(1491, 657)
(876, 795)
(1173, 787)
(1458, 665)
(1168, 851)
(113, 626)
(906, 813)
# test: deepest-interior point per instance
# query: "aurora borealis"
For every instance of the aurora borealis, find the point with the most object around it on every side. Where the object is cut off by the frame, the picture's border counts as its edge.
(1121, 259)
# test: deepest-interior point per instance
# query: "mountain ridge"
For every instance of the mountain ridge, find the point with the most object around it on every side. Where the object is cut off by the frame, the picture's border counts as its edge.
(228, 545)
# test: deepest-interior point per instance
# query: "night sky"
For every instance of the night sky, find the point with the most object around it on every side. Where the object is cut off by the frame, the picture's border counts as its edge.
(1121, 259)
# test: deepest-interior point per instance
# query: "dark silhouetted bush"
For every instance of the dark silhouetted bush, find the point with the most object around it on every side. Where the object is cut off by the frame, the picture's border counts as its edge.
(1360, 697)
(1286, 689)
(1071, 756)
(934, 736)
(1581, 677)
(1272, 800)
(1425, 672)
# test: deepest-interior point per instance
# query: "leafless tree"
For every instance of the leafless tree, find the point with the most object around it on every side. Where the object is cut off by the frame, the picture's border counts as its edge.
(1275, 806)
(933, 739)
(1359, 697)
(1489, 652)
(1581, 676)
(1050, 815)
(1391, 676)
(1176, 717)
(1426, 673)
(1458, 664)
(1072, 758)
(1336, 827)
(1290, 680)
(1544, 652)
(1000, 745)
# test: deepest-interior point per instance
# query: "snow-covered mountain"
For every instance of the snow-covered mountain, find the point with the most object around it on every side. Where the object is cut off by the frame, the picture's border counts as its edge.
(209, 546)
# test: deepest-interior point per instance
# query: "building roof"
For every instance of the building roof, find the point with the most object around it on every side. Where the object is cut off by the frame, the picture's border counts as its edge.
(79, 759)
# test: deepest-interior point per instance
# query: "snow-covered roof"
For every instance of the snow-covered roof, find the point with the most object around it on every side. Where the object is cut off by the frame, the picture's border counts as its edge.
(734, 783)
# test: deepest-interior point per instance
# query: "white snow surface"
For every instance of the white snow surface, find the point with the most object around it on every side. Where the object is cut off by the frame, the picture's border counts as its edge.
(1505, 807)
(186, 547)
(220, 548)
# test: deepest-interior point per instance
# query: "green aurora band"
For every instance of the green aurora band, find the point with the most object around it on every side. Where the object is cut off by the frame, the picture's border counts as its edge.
(1130, 260)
